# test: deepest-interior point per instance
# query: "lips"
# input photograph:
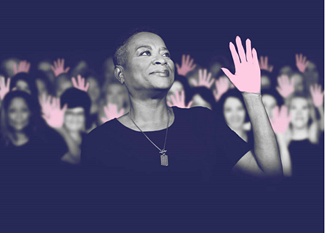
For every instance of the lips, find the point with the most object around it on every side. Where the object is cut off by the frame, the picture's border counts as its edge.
(164, 72)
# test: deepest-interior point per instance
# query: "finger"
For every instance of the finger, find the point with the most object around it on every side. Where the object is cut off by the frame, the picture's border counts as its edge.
(190, 104)
(234, 54)
(271, 69)
(191, 62)
(200, 74)
(193, 67)
(182, 96)
(307, 63)
(169, 104)
(104, 119)
(266, 60)
(53, 68)
(74, 82)
(205, 78)
(183, 60)
(249, 54)
(8, 82)
(87, 86)
(261, 61)
(193, 82)
(187, 59)
(55, 64)
(67, 69)
(279, 90)
(177, 67)
(297, 59)
(241, 50)
(28, 66)
(255, 57)
(173, 99)
(64, 107)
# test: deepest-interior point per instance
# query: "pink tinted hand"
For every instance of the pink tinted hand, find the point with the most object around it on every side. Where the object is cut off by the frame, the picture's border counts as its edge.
(247, 77)
(281, 120)
(204, 79)
(301, 63)
(179, 100)
(186, 65)
(317, 95)
(221, 88)
(53, 114)
(4, 88)
(264, 64)
(23, 67)
(59, 67)
(80, 84)
(111, 112)
(286, 86)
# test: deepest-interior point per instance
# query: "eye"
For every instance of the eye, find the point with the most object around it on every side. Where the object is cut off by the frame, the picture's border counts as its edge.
(148, 52)
(167, 54)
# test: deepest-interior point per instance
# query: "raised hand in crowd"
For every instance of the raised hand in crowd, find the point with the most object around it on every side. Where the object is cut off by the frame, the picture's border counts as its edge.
(281, 120)
(22, 67)
(204, 79)
(179, 100)
(111, 112)
(264, 64)
(222, 87)
(301, 63)
(4, 88)
(286, 86)
(58, 67)
(187, 65)
(80, 84)
(318, 99)
(52, 112)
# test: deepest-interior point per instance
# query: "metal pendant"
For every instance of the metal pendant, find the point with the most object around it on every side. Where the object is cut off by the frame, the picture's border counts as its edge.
(164, 160)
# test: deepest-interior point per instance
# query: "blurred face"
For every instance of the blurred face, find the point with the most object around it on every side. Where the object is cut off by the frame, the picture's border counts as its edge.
(18, 114)
(41, 86)
(298, 82)
(234, 113)
(199, 101)
(300, 112)
(149, 68)
(265, 81)
(74, 119)
(269, 104)
(94, 90)
(176, 87)
(215, 69)
(116, 94)
(285, 70)
(22, 86)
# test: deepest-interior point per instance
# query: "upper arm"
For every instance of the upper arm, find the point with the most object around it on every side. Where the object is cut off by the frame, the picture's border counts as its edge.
(248, 165)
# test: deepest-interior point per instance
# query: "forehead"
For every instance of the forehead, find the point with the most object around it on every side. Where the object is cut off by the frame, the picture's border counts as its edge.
(268, 98)
(145, 38)
(17, 101)
(299, 100)
(75, 110)
(232, 101)
(22, 82)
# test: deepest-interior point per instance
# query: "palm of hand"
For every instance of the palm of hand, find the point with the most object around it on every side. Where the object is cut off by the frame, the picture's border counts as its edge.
(179, 100)
(111, 112)
(4, 88)
(286, 86)
(52, 113)
(317, 95)
(281, 120)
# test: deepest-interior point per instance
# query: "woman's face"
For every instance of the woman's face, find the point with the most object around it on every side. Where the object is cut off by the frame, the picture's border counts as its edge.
(300, 112)
(269, 104)
(18, 114)
(41, 86)
(234, 113)
(94, 90)
(74, 119)
(21, 85)
(149, 68)
(116, 94)
(265, 81)
(298, 82)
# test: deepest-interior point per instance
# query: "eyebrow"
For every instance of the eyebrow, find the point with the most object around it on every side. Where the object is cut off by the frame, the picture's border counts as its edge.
(149, 47)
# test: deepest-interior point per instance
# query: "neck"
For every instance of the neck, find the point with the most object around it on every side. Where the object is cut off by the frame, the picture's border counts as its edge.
(300, 134)
(150, 114)
(19, 139)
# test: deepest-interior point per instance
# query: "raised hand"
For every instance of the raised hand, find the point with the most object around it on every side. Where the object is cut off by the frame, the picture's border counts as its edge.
(186, 65)
(22, 67)
(222, 87)
(281, 120)
(179, 100)
(111, 112)
(301, 63)
(317, 95)
(204, 80)
(247, 77)
(58, 67)
(286, 86)
(52, 113)
(264, 64)
(4, 88)
(80, 84)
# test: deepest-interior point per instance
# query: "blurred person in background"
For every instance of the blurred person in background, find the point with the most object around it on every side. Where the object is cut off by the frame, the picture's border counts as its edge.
(62, 83)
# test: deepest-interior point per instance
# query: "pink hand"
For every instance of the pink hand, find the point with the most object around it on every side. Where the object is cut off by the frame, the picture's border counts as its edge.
(204, 79)
(111, 112)
(52, 113)
(23, 67)
(59, 67)
(4, 89)
(221, 88)
(301, 63)
(81, 83)
(186, 65)
(179, 100)
(281, 120)
(248, 74)
(264, 64)
(286, 86)
(317, 95)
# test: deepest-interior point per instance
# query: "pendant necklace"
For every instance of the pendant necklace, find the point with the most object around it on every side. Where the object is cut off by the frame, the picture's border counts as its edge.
(163, 156)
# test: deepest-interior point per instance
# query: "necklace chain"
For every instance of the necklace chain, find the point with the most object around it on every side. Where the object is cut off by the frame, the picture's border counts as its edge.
(163, 151)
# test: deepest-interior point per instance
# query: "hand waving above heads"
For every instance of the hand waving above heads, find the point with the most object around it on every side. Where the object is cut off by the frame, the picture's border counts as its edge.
(186, 65)
(4, 88)
(179, 100)
(247, 77)
(281, 120)
(80, 84)
(111, 112)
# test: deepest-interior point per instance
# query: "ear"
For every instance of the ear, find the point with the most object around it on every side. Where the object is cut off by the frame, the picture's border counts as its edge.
(118, 73)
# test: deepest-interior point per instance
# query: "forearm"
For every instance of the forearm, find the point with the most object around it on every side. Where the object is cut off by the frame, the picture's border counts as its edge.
(321, 120)
(265, 145)
(285, 155)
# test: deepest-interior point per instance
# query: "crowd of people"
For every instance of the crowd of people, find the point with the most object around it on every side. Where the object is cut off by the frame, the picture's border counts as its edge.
(47, 112)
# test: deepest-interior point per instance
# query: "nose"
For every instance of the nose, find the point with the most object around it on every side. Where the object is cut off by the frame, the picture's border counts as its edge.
(159, 60)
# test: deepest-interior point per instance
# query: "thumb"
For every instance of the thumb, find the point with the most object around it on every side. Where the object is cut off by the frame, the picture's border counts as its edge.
(177, 66)
(228, 74)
